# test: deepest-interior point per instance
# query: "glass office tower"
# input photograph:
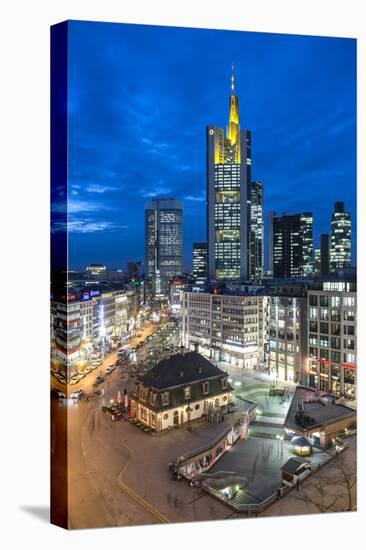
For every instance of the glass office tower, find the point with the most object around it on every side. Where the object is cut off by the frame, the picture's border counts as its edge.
(228, 203)
(163, 243)
(200, 266)
(292, 243)
(340, 244)
(256, 234)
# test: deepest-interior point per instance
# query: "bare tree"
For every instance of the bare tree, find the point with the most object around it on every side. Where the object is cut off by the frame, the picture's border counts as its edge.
(318, 494)
(346, 477)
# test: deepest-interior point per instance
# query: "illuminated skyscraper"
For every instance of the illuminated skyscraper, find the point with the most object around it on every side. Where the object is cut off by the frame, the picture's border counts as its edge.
(292, 245)
(256, 232)
(200, 265)
(228, 200)
(340, 244)
(163, 243)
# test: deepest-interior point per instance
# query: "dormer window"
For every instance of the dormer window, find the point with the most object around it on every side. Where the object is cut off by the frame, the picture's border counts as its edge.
(165, 398)
(153, 398)
(224, 383)
(187, 392)
(206, 388)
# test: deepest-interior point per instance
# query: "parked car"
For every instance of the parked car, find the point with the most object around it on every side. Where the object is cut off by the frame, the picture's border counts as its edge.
(109, 370)
(78, 394)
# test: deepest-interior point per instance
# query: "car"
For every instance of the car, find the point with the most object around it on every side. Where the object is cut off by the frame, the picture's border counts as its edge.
(78, 394)
(99, 380)
(88, 370)
(109, 370)
(73, 381)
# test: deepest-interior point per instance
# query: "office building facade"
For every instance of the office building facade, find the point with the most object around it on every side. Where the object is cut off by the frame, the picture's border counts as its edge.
(228, 202)
(340, 244)
(324, 254)
(287, 334)
(256, 232)
(332, 343)
(163, 243)
(200, 264)
(227, 328)
(292, 242)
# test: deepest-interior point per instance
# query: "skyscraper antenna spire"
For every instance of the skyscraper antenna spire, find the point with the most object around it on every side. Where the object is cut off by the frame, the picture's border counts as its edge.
(232, 80)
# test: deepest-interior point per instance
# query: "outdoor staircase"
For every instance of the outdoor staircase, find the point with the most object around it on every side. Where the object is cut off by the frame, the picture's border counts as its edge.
(242, 497)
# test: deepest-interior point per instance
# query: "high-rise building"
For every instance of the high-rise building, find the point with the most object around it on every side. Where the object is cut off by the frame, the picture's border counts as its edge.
(292, 245)
(134, 271)
(324, 254)
(270, 242)
(200, 265)
(256, 232)
(228, 202)
(317, 260)
(340, 245)
(163, 243)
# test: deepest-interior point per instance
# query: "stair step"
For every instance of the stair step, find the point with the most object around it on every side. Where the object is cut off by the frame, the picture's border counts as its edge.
(242, 497)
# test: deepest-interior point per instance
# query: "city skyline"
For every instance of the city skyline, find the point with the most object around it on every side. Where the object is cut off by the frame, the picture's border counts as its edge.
(138, 131)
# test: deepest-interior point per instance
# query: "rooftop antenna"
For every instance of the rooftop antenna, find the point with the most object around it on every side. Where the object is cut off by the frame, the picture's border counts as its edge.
(232, 80)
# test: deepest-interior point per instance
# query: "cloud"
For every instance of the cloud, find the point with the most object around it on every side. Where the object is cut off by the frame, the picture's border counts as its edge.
(196, 198)
(97, 188)
(85, 226)
(158, 191)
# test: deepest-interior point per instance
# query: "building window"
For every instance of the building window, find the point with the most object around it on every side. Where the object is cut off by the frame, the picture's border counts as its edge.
(324, 315)
(313, 300)
(313, 313)
(165, 398)
(335, 342)
(324, 328)
(349, 344)
(165, 416)
(313, 326)
(324, 301)
(323, 341)
(187, 392)
(224, 383)
(206, 388)
(197, 406)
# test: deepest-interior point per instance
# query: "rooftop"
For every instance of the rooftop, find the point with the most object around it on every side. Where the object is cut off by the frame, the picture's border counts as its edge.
(182, 368)
(294, 465)
(319, 409)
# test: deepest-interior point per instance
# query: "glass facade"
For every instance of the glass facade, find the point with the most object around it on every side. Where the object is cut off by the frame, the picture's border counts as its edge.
(292, 242)
(200, 265)
(340, 245)
(163, 243)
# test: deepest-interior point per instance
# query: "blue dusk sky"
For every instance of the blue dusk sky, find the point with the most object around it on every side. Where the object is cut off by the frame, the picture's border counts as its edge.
(140, 98)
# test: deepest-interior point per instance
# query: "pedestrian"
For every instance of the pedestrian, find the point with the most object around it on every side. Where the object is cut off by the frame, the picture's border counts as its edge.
(297, 484)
